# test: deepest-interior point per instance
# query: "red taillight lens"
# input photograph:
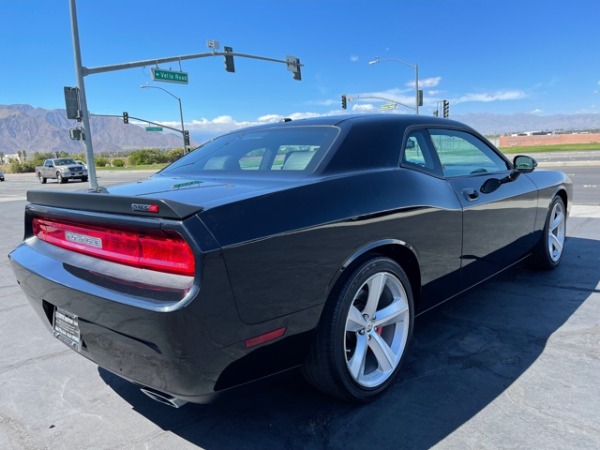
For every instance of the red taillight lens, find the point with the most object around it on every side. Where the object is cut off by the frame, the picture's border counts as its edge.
(164, 252)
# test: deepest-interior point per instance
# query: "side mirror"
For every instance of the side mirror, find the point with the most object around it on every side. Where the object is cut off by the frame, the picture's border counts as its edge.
(524, 164)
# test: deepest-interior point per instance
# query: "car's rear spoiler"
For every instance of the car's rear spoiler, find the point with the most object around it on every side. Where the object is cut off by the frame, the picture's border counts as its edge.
(116, 204)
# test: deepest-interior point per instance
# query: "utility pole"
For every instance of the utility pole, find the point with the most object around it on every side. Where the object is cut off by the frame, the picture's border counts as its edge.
(85, 118)
(185, 143)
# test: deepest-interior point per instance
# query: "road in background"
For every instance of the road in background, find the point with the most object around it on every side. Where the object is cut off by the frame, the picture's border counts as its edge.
(16, 185)
(591, 157)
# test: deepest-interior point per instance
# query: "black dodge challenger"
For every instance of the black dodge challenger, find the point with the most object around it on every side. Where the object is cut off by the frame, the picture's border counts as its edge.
(309, 243)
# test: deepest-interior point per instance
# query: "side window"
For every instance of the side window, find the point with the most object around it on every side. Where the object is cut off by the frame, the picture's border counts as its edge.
(463, 154)
(252, 160)
(294, 157)
(417, 154)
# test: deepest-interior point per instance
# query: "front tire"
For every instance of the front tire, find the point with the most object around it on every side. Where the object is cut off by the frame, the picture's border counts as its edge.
(59, 178)
(549, 250)
(364, 333)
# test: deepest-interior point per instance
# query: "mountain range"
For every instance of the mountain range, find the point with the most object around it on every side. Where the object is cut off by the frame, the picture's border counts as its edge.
(24, 127)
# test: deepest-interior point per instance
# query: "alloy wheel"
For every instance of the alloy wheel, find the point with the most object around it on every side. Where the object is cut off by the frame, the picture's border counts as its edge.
(377, 329)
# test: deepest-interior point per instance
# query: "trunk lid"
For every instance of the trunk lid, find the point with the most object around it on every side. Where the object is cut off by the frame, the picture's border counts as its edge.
(161, 196)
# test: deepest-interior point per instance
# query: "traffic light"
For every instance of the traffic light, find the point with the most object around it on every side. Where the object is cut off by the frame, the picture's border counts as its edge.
(344, 102)
(125, 117)
(72, 103)
(446, 108)
(420, 97)
(76, 134)
(229, 66)
(186, 137)
(293, 65)
(435, 113)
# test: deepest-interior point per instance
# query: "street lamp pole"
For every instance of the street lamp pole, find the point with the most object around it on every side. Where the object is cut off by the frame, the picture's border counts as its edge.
(414, 66)
(144, 86)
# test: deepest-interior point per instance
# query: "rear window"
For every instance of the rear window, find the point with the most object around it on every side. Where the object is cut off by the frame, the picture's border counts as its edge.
(272, 150)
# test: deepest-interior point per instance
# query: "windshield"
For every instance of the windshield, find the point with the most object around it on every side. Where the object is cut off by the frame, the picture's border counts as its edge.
(64, 162)
(271, 150)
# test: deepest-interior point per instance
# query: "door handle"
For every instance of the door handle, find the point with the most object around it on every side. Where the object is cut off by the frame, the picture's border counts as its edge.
(470, 194)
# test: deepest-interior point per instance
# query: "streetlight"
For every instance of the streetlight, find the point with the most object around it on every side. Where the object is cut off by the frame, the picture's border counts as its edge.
(414, 66)
(144, 86)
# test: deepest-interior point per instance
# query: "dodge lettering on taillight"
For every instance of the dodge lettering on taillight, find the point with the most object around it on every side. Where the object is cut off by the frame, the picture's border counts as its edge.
(83, 239)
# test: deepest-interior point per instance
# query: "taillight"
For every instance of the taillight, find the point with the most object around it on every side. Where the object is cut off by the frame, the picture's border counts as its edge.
(164, 251)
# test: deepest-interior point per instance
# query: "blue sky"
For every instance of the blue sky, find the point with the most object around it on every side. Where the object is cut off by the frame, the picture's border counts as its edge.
(501, 57)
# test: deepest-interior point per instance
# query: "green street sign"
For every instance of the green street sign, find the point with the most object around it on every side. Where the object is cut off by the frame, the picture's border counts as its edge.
(389, 106)
(170, 76)
(154, 129)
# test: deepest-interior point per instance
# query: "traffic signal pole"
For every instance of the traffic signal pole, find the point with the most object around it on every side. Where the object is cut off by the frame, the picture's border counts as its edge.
(85, 118)
(293, 64)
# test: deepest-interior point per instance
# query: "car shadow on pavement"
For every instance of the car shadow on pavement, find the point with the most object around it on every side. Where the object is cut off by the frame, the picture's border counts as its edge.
(464, 354)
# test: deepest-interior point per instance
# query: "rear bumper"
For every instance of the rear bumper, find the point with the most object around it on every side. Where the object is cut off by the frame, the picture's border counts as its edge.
(191, 349)
(163, 350)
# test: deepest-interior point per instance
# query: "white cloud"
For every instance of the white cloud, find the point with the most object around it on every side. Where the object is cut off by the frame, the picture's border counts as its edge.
(223, 120)
(218, 125)
(491, 96)
(269, 118)
(354, 58)
(537, 111)
(426, 82)
(224, 124)
(363, 107)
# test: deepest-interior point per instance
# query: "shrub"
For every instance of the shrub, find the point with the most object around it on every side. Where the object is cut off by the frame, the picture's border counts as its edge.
(174, 154)
(118, 163)
(147, 157)
(102, 162)
(25, 167)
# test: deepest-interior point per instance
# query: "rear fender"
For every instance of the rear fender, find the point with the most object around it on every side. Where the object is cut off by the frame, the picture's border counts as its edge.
(401, 252)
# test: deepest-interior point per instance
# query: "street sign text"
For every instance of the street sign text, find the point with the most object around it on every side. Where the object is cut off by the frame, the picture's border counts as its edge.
(170, 76)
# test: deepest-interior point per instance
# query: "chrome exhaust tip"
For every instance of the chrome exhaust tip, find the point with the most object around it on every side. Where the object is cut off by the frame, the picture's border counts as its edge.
(163, 398)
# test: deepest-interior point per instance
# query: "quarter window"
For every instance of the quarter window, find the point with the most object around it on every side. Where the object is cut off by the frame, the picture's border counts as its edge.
(463, 154)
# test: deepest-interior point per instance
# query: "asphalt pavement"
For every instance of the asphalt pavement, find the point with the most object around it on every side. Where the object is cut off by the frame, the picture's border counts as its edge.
(512, 364)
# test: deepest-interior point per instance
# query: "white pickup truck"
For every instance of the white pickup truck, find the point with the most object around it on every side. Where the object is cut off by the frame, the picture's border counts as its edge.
(61, 169)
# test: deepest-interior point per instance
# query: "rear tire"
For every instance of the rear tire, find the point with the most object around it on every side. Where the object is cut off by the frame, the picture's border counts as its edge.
(364, 333)
(548, 253)
(41, 178)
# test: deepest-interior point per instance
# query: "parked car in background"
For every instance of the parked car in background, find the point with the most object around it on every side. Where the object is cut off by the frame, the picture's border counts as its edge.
(61, 169)
(1, 176)
(312, 243)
